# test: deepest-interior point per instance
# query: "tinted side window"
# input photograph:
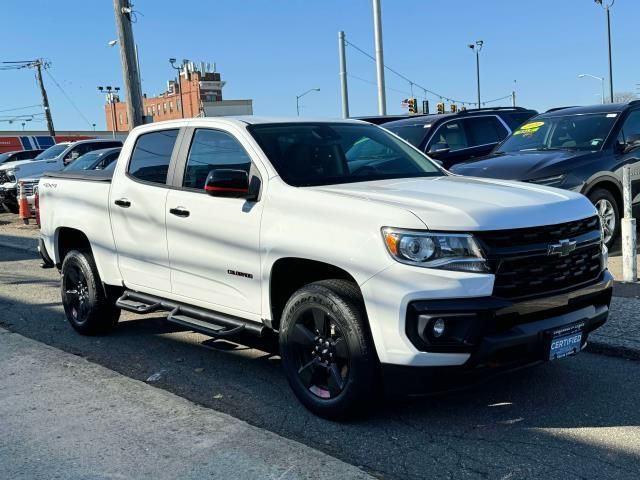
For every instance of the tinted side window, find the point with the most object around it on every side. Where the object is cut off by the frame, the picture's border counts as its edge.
(212, 149)
(152, 155)
(631, 126)
(452, 135)
(485, 130)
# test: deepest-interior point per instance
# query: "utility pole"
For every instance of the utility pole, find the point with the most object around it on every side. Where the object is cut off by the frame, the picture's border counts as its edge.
(377, 29)
(513, 98)
(38, 64)
(606, 5)
(130, 74)
(343, 75)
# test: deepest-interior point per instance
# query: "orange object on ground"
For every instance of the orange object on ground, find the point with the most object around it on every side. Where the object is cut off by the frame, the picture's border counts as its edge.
(24, 212)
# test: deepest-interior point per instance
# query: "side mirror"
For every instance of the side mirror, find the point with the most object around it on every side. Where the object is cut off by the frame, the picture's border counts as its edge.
(222, 182)
(439, 148)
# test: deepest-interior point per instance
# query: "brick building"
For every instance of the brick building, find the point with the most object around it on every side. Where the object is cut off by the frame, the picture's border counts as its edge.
(196, 92)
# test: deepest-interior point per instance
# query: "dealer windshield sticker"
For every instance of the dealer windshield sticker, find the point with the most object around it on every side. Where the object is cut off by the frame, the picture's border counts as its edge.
(529, 128)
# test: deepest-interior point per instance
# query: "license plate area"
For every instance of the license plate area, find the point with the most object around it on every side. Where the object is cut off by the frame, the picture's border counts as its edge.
(565, 341)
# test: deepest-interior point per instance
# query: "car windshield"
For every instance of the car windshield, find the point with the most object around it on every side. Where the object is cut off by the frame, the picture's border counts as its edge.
(52, 152)
(412, 133)
(560, 132)
(85, 162)
(4, 157)
(306, 154)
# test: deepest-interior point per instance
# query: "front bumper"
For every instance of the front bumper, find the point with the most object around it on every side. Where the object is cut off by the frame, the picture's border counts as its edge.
(496, 334)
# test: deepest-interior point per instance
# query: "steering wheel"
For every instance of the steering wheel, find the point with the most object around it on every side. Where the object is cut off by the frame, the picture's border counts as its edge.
(365, 170)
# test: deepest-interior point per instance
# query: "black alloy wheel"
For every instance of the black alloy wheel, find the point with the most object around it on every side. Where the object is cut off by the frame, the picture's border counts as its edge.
(321, 352)
(327, 350)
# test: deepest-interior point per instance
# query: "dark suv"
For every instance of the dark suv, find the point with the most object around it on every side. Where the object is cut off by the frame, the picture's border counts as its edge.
(452, 138)
(7, 157)
(576, 148)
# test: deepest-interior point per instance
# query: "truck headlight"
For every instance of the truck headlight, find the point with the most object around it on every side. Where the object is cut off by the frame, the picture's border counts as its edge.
(11, 175)
(447, 251)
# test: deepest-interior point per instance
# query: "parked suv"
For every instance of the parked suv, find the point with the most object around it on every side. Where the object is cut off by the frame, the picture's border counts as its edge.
(455, 137)
(365, 258)
(576, 148)
(53, 159)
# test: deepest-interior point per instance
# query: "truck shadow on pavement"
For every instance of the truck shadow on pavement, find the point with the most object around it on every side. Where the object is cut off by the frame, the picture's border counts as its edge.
(575, 418)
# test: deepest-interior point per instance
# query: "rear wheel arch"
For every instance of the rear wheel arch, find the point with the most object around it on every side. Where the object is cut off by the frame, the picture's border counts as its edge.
(68, 239)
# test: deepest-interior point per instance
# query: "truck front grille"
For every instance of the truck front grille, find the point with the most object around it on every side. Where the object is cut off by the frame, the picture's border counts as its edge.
(523, 266)
(535, 275)
(29, 188)
(4, 178)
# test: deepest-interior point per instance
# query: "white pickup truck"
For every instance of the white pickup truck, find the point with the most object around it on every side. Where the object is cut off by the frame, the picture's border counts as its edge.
(372, 264)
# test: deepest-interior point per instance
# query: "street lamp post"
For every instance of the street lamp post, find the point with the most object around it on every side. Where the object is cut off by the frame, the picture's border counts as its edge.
(607, 7)
(172, 62)
(582, 75)
(477, 47)
(298, 97)
(112, 105)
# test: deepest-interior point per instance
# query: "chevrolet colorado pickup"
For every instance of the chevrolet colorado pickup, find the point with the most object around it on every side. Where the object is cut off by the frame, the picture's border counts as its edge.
(371, 264)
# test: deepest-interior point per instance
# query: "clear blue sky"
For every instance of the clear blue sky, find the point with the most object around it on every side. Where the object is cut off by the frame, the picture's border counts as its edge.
(271, 50)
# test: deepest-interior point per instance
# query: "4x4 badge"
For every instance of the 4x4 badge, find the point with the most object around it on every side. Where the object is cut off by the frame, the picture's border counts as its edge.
(563, 248)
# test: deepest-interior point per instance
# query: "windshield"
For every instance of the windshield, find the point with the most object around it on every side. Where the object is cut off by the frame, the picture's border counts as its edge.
(4, 157)
(52, 152)
(412, 133)
(306, 154)
(561, 132)
(85, 162)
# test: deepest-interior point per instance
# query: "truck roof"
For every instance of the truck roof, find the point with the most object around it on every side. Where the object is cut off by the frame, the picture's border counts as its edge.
(244, 120)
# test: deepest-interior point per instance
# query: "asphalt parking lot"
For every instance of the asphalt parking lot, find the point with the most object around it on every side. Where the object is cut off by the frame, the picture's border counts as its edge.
(576, 418)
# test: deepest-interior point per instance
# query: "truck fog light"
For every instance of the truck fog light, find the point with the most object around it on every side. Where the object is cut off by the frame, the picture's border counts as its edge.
(438, 328)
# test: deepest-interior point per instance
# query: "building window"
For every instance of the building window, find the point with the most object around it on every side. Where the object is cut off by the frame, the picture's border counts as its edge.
(178, 105)
(153, 109)
(159, 111)
(171, 106)
(120, 118)
(164, 107)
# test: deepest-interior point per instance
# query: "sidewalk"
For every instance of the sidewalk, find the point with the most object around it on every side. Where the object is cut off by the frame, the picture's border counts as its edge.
(64, 417)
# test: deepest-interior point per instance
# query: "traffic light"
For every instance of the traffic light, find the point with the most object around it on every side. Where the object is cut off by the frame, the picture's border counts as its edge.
(425, 107)
(454, 108)
(440, 107)
(463, 108)
(413, 105)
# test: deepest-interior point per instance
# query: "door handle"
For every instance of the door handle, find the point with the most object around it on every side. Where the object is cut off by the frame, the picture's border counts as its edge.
(123, 202)
(179, 212)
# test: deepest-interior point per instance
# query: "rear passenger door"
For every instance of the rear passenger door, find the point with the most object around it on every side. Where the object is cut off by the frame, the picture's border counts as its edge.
(137, 205)
(214, 241)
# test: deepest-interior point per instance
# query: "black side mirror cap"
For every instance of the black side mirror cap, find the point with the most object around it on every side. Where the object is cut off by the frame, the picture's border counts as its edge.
(222, 182)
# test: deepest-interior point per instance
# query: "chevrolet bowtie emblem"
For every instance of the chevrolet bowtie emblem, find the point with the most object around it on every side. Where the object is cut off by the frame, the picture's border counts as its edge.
(563, 248)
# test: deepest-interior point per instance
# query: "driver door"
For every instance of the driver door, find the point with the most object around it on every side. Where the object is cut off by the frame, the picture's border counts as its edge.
(214, 242)
(631, 130)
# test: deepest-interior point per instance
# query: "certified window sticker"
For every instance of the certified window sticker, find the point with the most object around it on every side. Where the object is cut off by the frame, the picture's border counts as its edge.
(529, 128)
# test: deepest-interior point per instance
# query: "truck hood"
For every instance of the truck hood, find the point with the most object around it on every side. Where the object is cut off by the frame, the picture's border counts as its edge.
(524, 165)
(29, 168)
(463, 203)
(11, 165)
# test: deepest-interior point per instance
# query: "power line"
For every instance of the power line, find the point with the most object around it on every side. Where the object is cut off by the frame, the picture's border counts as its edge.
(20, 108)
(68, 98)
(371, 82)
(412, 83)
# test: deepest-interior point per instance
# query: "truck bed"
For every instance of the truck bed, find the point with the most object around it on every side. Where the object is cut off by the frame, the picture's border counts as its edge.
(89, 175)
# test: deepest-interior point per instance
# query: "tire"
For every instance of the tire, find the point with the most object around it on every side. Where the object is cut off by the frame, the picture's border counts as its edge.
(86, 305)
(326, 349)
(609, 212)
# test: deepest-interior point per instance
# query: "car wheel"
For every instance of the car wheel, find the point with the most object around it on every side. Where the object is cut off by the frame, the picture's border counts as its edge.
(87, 307)
(326, 349)
(609, 214)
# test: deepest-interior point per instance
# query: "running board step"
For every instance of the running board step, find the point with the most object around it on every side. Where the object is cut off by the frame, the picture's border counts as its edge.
(202, 326)
(211, 323)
